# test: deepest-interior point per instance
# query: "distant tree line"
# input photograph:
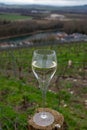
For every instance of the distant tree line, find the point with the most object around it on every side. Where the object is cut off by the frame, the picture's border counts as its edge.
(22, 27)
(79, 26)
(23, 11)
(15, 10)
(4, 22)
(27, 9)
(8, 28)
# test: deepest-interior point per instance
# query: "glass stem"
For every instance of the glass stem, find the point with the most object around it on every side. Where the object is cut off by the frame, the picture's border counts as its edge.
(43, 98)
(43, 104)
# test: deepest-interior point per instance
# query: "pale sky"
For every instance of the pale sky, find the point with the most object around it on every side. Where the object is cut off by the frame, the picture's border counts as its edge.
(49, 2)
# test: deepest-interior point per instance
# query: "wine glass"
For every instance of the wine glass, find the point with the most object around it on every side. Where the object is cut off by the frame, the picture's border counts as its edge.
(44, 65)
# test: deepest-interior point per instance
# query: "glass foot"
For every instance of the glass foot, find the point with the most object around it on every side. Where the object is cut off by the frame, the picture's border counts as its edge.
(43, 118)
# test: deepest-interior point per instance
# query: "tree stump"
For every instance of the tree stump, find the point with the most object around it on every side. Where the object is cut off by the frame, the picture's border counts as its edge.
(58, 123)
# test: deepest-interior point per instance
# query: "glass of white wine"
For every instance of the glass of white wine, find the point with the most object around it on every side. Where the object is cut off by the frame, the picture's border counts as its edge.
(44, 65)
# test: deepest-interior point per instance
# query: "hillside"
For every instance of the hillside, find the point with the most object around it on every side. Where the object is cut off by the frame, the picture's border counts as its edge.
(65, 9)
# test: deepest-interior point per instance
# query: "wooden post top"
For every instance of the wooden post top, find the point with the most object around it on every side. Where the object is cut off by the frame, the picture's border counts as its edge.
(58, 123)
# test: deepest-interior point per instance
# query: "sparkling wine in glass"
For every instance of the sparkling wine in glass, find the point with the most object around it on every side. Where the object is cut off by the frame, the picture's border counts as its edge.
(44, 65)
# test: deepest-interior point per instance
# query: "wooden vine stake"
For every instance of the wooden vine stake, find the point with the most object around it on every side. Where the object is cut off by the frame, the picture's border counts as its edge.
(58, 123)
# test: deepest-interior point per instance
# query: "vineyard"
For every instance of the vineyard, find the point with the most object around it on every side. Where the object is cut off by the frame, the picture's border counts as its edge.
(20, 94)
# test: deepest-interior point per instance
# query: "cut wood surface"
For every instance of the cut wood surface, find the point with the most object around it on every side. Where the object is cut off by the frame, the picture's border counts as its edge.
(58, 123)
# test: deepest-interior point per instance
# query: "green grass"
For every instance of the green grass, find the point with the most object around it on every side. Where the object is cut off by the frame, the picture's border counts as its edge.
(20, 98)
(13, 17)
(13, 109)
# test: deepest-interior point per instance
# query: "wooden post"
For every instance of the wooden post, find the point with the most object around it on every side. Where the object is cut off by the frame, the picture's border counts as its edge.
(58, 123)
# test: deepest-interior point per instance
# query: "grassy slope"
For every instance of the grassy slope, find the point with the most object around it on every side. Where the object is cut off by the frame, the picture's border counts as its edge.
(13, 17)
(18, 100)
